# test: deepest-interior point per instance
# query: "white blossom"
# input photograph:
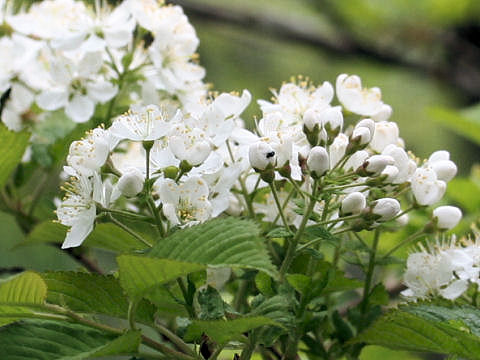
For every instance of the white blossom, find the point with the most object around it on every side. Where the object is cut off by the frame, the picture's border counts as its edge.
(356, 99)
(447, 217)
(261, 155)
(386, 208)
(353, 203)
(426, 188)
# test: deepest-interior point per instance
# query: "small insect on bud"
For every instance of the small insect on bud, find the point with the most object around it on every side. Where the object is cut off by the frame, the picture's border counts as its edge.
(447, 217)
(353, 203)
(385, 208)
(131, 182)
(318, 161)
(261, 156)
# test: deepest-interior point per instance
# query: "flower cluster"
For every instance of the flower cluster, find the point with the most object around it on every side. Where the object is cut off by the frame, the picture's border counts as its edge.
(445, 269)
(175, 161)
(62, 54)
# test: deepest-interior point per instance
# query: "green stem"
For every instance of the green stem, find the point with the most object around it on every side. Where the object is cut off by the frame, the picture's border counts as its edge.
(188, 306)
(240, 297)
(279, 206)
(369, 274)
(294, 241)
(174, 339)
(129, 214)
(150, 201)
(130, 231)
(132, 308)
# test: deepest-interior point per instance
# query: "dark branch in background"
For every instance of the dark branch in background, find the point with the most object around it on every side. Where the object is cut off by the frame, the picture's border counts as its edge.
(461, 69)
(89, 264)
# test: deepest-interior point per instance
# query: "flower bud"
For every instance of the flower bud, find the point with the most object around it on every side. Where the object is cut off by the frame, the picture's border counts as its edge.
(367, 123)
(390, 172)
(312, 120)
(131, 182)
(375, 164)
(261, 156)
(386, 208)
(442, 165)
(332, 120)
(318, 161)
(447, 217)
(361, 136)
(171, 172)
(353, 203)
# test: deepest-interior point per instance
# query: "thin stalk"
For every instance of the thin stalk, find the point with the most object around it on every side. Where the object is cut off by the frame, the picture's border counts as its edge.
(346, 186)
(404, 242)
(279, 206)
(240, 297)
(150, 201)
(174, 339)
(132, 308)
(369, 275)
(293, 243)
(130, 231)
(183, 288)
(125, 213)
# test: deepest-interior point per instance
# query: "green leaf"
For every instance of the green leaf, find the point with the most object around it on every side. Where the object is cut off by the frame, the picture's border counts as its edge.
(458, 122)
(379, 295)
(277, 308)
(299, 282)
(19, 293)
(226, 242)
(223, 331)
(279, 232)
(12, 147)
(92, 293)
(140, 274)
(264, 284)
(406, 330)
(319, 231)
(211, 304)
(104, 236)
(50, 340)
(340, 283)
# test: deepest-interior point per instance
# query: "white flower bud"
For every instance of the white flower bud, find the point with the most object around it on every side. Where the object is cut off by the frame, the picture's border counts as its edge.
(367, 123)
(391, 172)
(261, 155)
(338, 148)
(377, 163)
(426, 188)
(447, 217)
(387, 208)
(131, 182)
(356, 160)
(402, 220)
(353, 203)
(318, 161)
(383, 114)
(311, 118)
(442, 165)
(386, 133)
(332, 119)
(362, 135)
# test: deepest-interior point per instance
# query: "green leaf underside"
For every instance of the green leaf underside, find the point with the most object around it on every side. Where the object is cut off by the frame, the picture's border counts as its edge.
(276, 308)
(104, 236)
(140, 274)
(17, 293)
(227, 242)
(12, 147)
(405, 330)
(50, 340)
(93, 293)
(223, 331)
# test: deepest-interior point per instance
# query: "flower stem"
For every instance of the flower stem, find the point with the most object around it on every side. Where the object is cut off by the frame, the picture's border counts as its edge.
(130, 231)
(279, 206)
(174, 339)
(404, 242)
(369, 275)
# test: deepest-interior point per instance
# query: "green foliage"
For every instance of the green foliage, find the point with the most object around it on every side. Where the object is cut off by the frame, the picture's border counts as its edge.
(49, 340)
(92, 293)
(224, 242)
(140, 274)
(210, 303)
(12, 147)
(459, 122)
(427, 328)
(223, 331)
(104, 236)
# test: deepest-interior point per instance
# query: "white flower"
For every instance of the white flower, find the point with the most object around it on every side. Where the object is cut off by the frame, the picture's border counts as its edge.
(332, 119)
(185, 203)
(337, 149)
(386, 208)
(363, 131)
(356, 160)
(19, 102)
(426, 188)
(311, 118)
(142, 124)
(356, 99)
(353, 203)
(261, 155)
(447, 217)
(77, 86)
(130, 183)
(383, 114)
(386, 133)
(88, 155)
(402, 162)
(78, 209)
(318, 161)
(189, 144)
(440, 162)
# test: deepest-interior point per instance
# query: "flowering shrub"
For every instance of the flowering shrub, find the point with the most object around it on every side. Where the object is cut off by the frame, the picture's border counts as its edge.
(261, 241)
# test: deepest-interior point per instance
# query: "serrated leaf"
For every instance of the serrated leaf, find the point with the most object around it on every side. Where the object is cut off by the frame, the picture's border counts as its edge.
(12, 147)
(340, 283)
(319, 231)
(104, 236)
(404, 330)
(92, 293)
(223, 331)
(50, 340)
(226, 242)
(280, 232)
(19, 294)
(140, 274)
(210, 303)
(299, 282)
(277, 308)
(263, 283)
